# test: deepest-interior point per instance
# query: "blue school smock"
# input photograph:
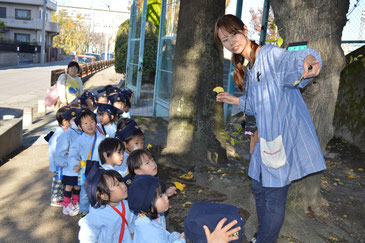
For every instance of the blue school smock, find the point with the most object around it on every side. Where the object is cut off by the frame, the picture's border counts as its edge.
(104, 224)
(123, 168)
(52, 144)
(81, 147)
(110, 130)
(275, 100)
(151, 231)
(64, 142)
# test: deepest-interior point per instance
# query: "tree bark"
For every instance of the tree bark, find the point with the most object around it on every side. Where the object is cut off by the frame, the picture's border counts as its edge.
(195, 117)
(320, 23)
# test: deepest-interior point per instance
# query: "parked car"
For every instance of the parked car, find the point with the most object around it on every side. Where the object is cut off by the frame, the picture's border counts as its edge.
(110, 56)
(97, 56)
(81, 59)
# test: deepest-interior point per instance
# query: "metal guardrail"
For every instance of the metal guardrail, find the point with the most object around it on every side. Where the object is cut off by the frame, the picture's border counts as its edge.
(86, 70)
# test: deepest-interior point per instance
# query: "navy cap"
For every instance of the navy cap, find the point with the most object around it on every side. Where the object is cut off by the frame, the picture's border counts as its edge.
(93, 174)
(141, 193)
(209, 214)
(70, 113)
(112, 90)
(79, 100)
(112, 110)
(130, 127)
(82, 111)
(117, 98)
(88, 94)
(100, 94)
(127, 92)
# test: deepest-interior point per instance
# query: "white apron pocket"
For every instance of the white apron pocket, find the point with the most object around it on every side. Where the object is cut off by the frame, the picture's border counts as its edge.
(273, 152)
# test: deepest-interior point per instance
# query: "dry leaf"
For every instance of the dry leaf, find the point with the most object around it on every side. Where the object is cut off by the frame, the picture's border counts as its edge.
(210, 178)
(360, 169)
(223, 175)
(200, 191)
(345, 216)
(335, 184)
(186, 204)
(218, 89)
(332, 239)
(351, 176)
(149, 146)
(351, 197)
(187, 176)
(220, 170)
(179, 185)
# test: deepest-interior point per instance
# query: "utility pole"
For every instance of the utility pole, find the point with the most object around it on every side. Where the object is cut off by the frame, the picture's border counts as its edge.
(43, 44)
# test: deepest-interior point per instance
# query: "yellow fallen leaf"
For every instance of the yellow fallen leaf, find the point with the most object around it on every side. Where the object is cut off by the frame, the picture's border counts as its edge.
(149, 146)
(335, 184)
(351, 176)
(340, 183)
(332, 239)
(298, 81)
(187, 176)
(186, 204)
(329, 147)
(218, 89)
(351, 197)
(220, 170)
(223, 175)
(211, 178)
(336, 179)
(179, 185)
(200, 191)
(360, 169)
(351, 170)
(345, 216)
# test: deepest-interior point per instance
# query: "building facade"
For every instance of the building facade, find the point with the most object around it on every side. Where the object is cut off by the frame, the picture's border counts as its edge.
(23, 19)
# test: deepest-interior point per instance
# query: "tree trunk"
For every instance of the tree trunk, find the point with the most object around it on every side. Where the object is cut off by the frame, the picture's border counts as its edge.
(195, 117)
(320, 23)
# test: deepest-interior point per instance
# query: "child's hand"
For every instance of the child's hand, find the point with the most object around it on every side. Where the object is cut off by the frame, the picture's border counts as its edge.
(253, 141)
(171, 191)
(182, 235)
(222, 234)
(76, 168)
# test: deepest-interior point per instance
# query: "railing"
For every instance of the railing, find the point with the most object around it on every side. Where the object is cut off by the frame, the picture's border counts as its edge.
(85, 70)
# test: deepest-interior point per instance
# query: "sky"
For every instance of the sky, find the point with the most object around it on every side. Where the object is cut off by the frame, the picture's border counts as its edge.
(120, 5)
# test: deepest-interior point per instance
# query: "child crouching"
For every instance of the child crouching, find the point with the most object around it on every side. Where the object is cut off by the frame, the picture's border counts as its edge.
(109, 217)
(147, 198)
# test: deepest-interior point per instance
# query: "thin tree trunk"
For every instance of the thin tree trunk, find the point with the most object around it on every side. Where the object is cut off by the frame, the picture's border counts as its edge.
(320, 22)
(195, 117)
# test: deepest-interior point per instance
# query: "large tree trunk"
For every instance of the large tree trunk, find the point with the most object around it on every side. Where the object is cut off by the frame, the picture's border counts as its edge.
(195, 117)
(320, 22)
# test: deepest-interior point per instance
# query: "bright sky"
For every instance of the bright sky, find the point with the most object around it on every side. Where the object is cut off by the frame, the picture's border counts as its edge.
(121, 5)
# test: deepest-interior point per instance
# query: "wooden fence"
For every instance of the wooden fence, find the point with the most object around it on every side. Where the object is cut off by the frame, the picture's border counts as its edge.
(85, 70)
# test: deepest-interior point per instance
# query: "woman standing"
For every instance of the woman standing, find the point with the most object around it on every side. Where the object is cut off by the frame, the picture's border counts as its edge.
(69, 85)
(288, 148)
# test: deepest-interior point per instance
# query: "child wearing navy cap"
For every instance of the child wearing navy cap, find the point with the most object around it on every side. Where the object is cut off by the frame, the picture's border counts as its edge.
(69, 177)
(57, 186)
(109, 218)
(90, 99)
(84, 148)
(79, 102)
(112, 90)
(133, 139)
(101, 97)
(107, 119)
(141, 162)
(147, 198)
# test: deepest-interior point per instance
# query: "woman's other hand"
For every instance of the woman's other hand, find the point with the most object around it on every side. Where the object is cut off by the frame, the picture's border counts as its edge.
(222, 234)
(228, 98)
(311, 61)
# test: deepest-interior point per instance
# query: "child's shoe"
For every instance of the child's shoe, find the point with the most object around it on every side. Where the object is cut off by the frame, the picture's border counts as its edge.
(75, 209)
(67, 210)
(57, 204)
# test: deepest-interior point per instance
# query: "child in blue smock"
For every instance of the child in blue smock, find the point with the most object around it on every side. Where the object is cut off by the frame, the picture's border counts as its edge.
(118, 101)
(133, 138)
(107, 120)
(147, 199)
(69, 176)
(109, 218)
(84, 148)
(90, 99)
(57, 186)
(141, 162)
(111, 153)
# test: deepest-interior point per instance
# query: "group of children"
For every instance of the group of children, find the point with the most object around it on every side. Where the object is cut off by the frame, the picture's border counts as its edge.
(102, 171)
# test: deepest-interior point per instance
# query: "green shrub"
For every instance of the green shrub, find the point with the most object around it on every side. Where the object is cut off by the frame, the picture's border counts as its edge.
(150, 49)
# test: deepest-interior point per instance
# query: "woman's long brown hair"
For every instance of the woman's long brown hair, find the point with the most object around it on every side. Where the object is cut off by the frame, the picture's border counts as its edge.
(233, 25)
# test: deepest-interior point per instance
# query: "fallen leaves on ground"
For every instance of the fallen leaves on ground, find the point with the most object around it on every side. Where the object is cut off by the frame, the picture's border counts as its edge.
(186, 204)
(179, 185)
(218, 89)
(187, 176)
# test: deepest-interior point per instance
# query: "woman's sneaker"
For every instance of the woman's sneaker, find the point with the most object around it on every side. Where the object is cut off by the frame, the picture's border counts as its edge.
(253, 240)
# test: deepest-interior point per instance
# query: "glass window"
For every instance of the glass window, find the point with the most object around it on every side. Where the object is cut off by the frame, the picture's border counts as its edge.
(22, 37)
(2, 12)
(22, 14)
